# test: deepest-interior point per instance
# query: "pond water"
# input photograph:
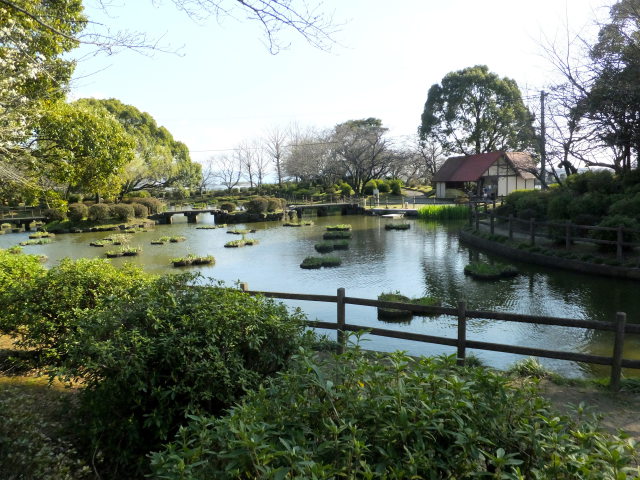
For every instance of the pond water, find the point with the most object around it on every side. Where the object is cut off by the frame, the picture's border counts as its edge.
(426, 260)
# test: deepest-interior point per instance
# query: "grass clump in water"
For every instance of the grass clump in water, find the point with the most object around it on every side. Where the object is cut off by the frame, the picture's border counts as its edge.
(343, 227)
(298, 224)
(443, 212)
(241, 243)
(397, 226)
(192, 259)
(36, 241)
(489, 271)
(319, 262)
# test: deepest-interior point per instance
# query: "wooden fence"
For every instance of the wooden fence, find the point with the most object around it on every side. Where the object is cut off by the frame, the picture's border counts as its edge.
(619, 326)
(565, 232)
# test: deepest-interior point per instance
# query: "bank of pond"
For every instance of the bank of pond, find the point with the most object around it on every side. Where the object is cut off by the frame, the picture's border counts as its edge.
(368, 259)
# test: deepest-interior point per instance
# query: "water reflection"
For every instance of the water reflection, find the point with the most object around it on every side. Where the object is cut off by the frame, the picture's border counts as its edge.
(426, 260)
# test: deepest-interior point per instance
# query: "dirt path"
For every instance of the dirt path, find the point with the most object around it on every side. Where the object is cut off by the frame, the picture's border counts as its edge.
(619, 411)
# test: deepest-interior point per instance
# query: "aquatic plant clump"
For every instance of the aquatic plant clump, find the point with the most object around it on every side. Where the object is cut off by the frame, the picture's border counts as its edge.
(443, 212)
(42, 235)
(297, 224)
(192, 259)
(399, 314)
(339, 228)
(324, 247)
(488, 271)
(241, 243)
(211, 227)
(36, 241)
(241, 231)
(397, 226)
(123, 252)
(336, 235)
(319, 262)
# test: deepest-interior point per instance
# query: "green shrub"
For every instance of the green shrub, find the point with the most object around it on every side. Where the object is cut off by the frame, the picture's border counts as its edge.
(123, 212)
(154, 205)
(48, 310)
(257, 205)
(54, 214)
(395, 186)
(628, 206)
(490, 271)
(140, 210)
(529, 368)
(77, 212)
(599, 181)
(591, 203)
(228, 206)
(18, 275)
(274, 204)
(612, 235)
(324, 247)
(99, 212)
(169, 351)
(318, 262)
(389, 416)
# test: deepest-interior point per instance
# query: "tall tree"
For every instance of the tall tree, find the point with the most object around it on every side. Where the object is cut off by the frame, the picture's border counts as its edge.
(274, 144)
(361, 151)
(82, 148)
(32, 71)
(160, 160)
(228, 171)
(475, 111)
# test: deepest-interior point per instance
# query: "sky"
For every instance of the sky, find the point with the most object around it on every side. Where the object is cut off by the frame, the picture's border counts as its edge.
(223, 86)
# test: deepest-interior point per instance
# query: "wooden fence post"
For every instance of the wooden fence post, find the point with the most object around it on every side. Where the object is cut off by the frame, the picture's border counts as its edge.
(510, 226)
(462, 332)
(618, 347)
(477, 214)
(619, 243)
(470, 216)
(567, 235)
(341, 320)
(532, 230)
(492, 218)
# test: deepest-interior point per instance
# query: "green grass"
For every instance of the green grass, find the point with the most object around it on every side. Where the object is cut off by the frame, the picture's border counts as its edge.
(344, 227)
(241, 243)
(318, 262)
(36, 241)
(397, 226)
(490, 271)
(192, 259)
(443, 212)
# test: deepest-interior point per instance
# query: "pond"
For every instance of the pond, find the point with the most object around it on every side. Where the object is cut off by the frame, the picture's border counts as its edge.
(426, 260)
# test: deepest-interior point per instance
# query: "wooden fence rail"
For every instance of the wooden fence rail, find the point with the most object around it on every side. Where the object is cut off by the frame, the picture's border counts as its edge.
(620, 327)
(565, 231)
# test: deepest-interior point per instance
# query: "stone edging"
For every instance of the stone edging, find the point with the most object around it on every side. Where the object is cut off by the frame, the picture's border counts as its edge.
(549, 261)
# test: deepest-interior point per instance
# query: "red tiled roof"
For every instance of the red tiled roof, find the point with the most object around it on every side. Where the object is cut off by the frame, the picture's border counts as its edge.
(471, 167)
(466, 169)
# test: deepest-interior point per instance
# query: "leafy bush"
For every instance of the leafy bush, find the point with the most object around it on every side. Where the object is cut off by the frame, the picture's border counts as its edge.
(599, 181)
(612, 235)
(343, 188)
(140, 210)
(628, 206)
(395, 186)
(391, 416)
(257, 205)
(77, 212)
(343, 227)
(54, 214)
(228, 206)
(99, 212)
(274, 204)
(154, 205)
(123, 212)
(591, 203)
(168, 351)
(47, 312)
(18, 274)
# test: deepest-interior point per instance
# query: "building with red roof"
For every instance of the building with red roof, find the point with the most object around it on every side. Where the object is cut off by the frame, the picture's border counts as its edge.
(493, 174)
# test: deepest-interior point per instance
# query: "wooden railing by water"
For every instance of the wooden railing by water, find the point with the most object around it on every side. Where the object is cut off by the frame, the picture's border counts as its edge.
(619, 326)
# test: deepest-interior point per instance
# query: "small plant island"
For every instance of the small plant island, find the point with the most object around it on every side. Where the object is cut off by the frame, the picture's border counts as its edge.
(490, 271)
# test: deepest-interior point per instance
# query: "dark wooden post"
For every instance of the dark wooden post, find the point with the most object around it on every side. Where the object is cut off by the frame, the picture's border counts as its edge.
(341, 320)
(510, 226)
(619, 243)
(618, 347)
(532, 230)
(470, 216)
(477, 214)
(567, 235)
(462, 332)
(492, 218)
